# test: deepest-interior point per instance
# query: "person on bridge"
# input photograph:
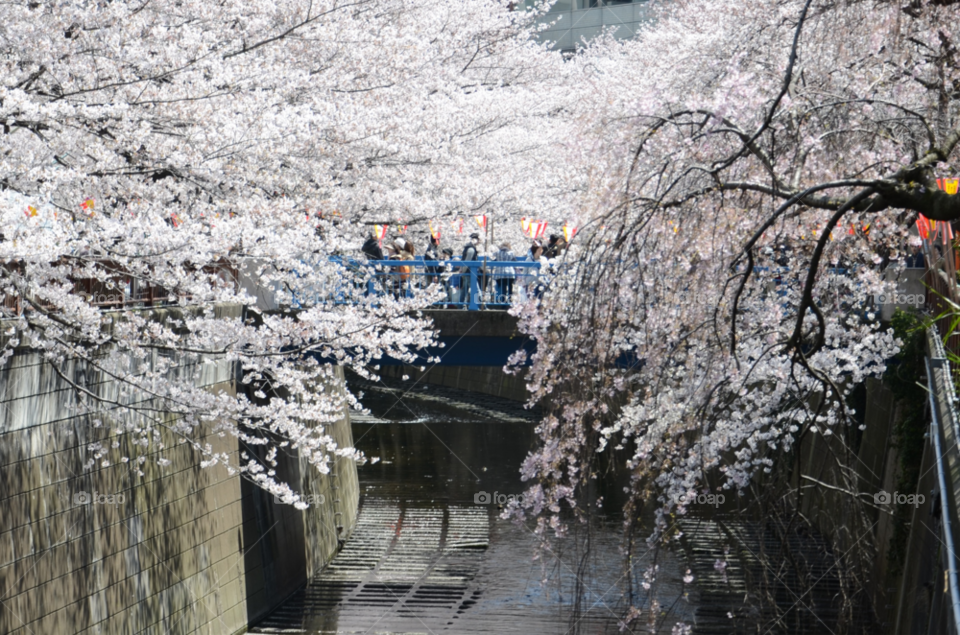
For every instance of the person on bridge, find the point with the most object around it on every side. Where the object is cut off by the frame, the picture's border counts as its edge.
(451, 284)
(554, 247)
(371, 248)
(432, 254)
(405, 253)
(532, 283)
(504, 276)
(469, 254)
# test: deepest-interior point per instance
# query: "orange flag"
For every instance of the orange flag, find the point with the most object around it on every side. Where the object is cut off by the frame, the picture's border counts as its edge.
(950, 186)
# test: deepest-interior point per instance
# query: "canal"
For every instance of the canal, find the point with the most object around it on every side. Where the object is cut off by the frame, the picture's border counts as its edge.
(432, 554)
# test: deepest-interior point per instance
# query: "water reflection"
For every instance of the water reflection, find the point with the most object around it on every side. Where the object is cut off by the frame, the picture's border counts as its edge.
(431, 554)
(442, 462)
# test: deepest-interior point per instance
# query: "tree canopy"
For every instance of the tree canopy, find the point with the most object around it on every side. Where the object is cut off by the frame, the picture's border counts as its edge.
(754, 171)
(162, 152)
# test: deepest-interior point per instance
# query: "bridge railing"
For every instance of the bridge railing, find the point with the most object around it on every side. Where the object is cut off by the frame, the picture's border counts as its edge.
(475, 284)
(466, 285)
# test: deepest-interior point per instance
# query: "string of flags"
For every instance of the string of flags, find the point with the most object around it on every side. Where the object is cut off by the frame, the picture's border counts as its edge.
(531, 228)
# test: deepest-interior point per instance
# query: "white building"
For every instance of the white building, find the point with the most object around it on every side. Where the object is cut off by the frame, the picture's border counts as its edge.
(571, 21)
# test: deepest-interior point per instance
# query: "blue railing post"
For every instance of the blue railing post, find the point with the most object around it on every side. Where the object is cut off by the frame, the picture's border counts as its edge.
(474, 290)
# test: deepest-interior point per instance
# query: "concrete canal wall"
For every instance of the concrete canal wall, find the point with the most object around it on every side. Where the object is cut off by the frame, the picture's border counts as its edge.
(176, 549)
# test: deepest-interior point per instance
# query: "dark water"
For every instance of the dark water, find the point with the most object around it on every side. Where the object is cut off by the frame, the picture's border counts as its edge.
(431, 553)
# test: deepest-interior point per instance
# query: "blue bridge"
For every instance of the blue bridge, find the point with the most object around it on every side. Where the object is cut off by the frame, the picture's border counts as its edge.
(469, 285)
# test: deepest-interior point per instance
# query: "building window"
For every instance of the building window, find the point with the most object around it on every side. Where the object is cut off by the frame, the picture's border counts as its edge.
(593, 4)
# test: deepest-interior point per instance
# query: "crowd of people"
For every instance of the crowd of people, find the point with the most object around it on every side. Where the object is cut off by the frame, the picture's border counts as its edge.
(498, 284)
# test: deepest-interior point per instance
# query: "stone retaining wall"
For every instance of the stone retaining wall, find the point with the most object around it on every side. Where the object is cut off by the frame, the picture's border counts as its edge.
(144, 548)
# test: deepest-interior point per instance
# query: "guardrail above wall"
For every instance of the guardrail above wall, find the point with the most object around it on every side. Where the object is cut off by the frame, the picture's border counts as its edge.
(943, 437)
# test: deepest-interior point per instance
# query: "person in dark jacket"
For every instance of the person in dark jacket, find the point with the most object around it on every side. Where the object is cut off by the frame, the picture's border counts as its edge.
(432, 253)
(469, 254)
(470, 249)
(371, 248)
(553, 247)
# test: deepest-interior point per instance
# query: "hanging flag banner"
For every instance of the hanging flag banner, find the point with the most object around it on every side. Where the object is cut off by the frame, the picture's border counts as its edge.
(434, 231)
(923, 227)
(950, 186)
(569, 231)
(459, 225)
(402, 229)
(481, 221)
(175, 220)
(30, 211)
(380, 231)
(533, 228)
(88, 206)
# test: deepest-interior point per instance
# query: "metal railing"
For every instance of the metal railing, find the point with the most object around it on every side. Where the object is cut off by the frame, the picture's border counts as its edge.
(943, 436)
(466, 285)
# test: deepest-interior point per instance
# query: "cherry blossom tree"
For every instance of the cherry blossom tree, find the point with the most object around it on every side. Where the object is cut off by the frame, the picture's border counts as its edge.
(730, 140)
(193, 155)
